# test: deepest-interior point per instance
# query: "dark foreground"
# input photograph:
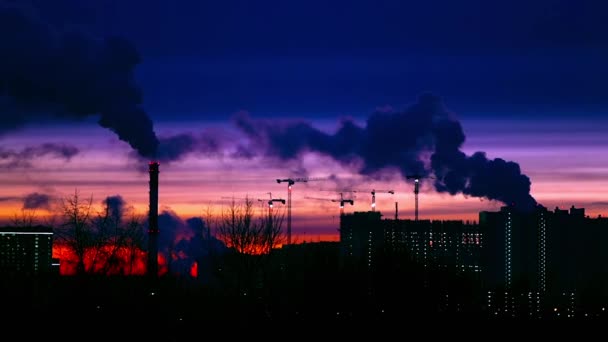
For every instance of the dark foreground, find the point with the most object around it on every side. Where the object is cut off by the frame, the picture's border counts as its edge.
(173, 309)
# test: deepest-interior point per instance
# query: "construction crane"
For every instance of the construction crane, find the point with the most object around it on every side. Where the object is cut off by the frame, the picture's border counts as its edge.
(290, 182)
(416, 178)
(373, 192)
(271, 201)
(342, 201)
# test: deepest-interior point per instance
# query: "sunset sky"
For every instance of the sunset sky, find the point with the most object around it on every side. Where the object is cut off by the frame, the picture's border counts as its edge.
(525, 80)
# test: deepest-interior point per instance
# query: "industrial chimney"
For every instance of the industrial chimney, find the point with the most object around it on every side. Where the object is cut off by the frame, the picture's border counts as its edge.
(396, 211)
(152, 268)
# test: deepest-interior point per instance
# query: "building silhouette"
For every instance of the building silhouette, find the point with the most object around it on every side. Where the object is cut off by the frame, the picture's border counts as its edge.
(544, 263)
(438, 261)
(451, 245)
(524, 264)
(577, 263)
(27, 251)
(515, 260)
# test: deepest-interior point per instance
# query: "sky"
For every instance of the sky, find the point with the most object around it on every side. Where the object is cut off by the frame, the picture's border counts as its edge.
(232, 95)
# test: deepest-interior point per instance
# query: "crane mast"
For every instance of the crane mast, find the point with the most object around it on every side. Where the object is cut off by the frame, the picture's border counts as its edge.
(290, 182)
(416, 179)
(342, 201)
(374, 196)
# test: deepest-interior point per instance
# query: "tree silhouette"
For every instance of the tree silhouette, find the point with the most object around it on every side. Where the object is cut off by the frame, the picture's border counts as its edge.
(25, 218)
(117, 241)
(250, 239)
(75, 230)
(104, 243)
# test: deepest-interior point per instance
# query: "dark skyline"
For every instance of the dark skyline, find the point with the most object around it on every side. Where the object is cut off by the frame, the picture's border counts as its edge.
(524, 81)
(500, 108)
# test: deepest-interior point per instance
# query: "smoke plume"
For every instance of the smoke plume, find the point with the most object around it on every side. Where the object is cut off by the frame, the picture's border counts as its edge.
(184, 242)
(115, 206)
(67, 75)
(37, 201)
(174, 147)
(424, 140)
(23, 157)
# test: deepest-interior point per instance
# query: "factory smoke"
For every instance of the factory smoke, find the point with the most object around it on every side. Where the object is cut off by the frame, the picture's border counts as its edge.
(425, 139)
(31, 201)
(182, 243)
(47, 74)
(37, 200)
(68, 75)
(174, 147)
(115, 206)
(23, 158)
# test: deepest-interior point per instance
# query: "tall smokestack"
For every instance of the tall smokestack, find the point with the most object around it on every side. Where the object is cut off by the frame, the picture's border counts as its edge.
(396, 211)
(153, 222)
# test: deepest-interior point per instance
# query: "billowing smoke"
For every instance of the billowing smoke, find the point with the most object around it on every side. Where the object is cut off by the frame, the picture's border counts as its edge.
(476, 175)
(47, 72)
(182, 243)
(37, 201)
(23, 158)
(33, 200)
(425, 140)
(174, 147)
(115, 206)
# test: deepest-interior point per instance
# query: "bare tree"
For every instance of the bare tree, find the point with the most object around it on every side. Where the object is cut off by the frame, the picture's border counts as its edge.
(117, 241)
(76, 227)
(102, 243)
(238, 229)
(272, 235)
(134, 238)
(25, 218)
(251, 238)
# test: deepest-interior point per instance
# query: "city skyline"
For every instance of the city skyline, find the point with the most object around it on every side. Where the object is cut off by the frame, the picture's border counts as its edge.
(167, 166)
(525, 87)
(188, 187)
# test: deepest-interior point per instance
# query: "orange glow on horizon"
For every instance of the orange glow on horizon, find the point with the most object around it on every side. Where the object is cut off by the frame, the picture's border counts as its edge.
(194, 270)
(109, 260)
(195, 183)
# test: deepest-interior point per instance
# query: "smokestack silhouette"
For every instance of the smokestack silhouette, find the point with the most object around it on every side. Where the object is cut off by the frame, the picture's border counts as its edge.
(153, 222)
(396, 211)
